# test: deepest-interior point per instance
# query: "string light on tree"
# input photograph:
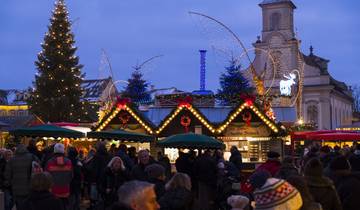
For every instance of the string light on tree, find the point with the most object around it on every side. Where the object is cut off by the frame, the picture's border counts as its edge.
(59, 73)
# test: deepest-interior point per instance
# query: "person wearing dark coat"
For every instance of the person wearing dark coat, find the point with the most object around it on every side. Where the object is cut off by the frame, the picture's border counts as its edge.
(40, 197)
(178, 193)
(299, 183)
(321, 188)
(33, 149)
(347, 183)
(287, 169)
(354, 159)
(272, 164)
(156, 174)
(138, 171)
(113, 177)
(75, 184)
(165, 162)
(122, 153)
(18, 173)
(236, 157)
(93, 170)
(205, 169)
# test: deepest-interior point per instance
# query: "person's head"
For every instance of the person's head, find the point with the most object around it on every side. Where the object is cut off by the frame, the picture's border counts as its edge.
(138, 195)
(324, 150)
(155, 171)
(179, 180)
(233, 149)
(116, 164)
(123, 148)
(288, 160)
(340, 164)
(314, 168)
(32, 143)
(72, 152)
(144, 157)
(132, 151)
(41, 182)
(59, 148)
(271, 155)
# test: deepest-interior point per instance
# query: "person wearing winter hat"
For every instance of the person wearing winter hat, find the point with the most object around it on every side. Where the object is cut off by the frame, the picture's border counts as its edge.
(238, 202)
(321, 187)
(347, 183)
(272, 164)
(61, 170)
(274, 194)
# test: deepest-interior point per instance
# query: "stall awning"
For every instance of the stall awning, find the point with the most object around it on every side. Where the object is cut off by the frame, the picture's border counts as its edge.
(336, 137)
(120, 135)
(191, 141)
(324, 135)
(46, 131)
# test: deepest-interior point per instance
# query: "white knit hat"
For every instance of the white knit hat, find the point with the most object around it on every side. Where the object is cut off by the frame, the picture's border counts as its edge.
(59, 148)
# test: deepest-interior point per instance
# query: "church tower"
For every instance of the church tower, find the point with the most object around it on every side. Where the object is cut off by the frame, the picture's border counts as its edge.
(278, 40)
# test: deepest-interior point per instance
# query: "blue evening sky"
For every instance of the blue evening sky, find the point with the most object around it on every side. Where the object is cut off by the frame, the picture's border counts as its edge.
(132, 31)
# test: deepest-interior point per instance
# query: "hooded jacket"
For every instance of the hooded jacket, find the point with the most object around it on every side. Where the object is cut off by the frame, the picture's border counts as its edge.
(323, 192)
(18, 171)
(61, 170)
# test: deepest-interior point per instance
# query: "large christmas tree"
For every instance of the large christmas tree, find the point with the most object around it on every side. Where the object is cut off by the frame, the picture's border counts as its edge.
(232, 84)
(57, 87)
(137, 88)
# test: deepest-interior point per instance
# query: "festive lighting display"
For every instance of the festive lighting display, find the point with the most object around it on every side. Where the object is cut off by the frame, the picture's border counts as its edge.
(57, 82)
(240, 109)
(106, 120)
(195, 112)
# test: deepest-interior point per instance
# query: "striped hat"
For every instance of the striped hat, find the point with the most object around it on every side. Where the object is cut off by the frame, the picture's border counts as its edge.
(277, 194)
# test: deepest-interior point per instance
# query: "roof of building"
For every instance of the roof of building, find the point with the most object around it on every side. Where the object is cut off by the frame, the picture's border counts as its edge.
(93, 89)
(214, 114)
(13, 97)
(318, 62)
(264, 2)
(164, 91)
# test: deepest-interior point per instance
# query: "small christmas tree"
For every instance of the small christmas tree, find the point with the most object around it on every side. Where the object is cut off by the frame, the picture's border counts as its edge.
(57, 87)
(137, 88)
(232, 85)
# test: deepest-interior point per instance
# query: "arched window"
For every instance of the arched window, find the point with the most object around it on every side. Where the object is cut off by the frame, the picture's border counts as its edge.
(313, 114)
(275, 21)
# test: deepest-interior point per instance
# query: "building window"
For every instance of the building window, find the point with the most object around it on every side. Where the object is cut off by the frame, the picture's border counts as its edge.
(313, 114)
(275, 21)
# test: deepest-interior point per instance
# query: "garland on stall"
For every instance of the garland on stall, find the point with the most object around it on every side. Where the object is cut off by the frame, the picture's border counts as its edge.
(185, 122)
(246, 116)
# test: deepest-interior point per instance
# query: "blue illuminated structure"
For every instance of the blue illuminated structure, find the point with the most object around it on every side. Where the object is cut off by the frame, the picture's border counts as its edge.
(202, 90)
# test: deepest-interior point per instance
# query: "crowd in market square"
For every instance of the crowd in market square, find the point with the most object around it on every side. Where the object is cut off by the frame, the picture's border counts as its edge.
(63, 178)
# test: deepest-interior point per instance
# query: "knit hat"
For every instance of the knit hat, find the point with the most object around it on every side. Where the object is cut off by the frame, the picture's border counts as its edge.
(59, 148)
(258, 179)
(277, 194)
(314, 167)
(237, 202)
(272, 154)
(340, 163)
(155, 170)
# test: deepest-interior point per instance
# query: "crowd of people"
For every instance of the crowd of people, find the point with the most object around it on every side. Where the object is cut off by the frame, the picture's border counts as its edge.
(62, 178)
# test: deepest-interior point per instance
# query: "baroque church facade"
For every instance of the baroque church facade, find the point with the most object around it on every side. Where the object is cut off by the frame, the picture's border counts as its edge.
(319, 99)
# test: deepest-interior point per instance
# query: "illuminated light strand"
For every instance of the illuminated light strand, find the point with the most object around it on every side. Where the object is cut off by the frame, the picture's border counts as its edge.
(255, 110)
